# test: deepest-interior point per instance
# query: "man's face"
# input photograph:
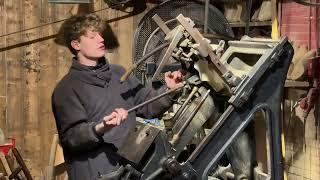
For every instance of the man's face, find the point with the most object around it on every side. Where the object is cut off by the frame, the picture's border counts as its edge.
(90, 45)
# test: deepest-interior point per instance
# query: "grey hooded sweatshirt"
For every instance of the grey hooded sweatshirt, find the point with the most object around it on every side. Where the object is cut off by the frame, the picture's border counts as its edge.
(81, 99)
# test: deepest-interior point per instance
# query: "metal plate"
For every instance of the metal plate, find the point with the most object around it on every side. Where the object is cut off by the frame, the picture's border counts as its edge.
(138, 142)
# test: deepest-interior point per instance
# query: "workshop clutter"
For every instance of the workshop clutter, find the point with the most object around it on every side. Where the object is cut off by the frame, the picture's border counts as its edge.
(299, 64)
(235, 11)
(11, 162)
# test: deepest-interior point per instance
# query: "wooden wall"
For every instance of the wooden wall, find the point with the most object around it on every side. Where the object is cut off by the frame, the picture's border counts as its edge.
(31, 64)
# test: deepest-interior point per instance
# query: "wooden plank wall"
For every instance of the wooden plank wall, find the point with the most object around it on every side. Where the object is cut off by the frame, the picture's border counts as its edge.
(32, 63)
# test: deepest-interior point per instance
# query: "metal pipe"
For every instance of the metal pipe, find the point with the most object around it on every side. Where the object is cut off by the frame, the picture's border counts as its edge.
(135, 65)
(176, 137)
(155, 174)
(155, 98)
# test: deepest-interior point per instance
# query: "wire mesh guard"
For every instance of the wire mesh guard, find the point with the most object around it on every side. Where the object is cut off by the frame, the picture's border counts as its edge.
(148, 36)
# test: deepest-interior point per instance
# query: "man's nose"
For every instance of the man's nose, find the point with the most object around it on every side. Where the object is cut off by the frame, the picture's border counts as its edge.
(100, 38)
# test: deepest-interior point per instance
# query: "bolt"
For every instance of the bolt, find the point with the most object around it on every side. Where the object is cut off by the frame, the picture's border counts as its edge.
(186, 175)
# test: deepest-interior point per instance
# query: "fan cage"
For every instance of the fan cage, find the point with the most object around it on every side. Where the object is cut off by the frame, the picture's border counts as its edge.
(146, 37)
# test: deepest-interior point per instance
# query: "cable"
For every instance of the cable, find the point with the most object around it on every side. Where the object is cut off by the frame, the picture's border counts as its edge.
(54, 22)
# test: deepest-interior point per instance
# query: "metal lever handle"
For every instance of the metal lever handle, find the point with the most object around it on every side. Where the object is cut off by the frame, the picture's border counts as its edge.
(156, 98)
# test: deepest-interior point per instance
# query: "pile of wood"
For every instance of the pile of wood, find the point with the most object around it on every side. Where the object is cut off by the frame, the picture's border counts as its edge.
(299, 62)
(235, 11)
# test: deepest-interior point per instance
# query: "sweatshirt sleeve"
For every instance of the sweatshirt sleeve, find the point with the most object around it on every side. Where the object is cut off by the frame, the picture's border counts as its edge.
(76, 133)
(143, 94)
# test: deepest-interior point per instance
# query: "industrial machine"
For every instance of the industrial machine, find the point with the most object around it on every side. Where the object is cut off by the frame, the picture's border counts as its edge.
(231, 86)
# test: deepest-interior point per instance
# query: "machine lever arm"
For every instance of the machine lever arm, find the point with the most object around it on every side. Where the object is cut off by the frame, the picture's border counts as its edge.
(156, 98)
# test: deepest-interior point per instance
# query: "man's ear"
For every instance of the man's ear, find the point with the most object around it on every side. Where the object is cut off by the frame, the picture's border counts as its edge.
(75, 45)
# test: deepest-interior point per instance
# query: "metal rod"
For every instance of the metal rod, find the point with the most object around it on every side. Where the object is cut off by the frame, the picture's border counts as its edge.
(206, 12)
(175, 41)
(188, 121)
(181, 109)
(135, 65)
(157, 19)
(155, 174)
(155, 98)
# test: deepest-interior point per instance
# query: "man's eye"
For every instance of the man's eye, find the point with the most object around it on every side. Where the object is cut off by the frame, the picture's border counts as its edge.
(93, 35)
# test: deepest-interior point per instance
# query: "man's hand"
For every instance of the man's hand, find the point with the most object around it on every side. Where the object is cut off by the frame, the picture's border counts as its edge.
(113, 119)
(173, 79)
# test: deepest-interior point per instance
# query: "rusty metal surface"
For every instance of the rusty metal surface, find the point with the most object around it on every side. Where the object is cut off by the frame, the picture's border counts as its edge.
(138, 141)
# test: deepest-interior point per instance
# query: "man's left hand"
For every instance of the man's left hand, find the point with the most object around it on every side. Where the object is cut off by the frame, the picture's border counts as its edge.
(173, 79)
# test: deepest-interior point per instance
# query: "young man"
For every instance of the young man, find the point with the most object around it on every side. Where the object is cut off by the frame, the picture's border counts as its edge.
(90, 103)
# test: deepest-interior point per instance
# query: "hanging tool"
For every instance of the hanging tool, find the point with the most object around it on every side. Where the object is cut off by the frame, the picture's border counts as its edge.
(311, 100)
(307, 104)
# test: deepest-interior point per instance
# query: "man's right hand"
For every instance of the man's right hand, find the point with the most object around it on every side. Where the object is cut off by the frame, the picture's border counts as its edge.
(113, 119)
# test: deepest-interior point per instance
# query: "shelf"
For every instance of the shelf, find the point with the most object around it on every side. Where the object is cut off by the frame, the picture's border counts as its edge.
(251, 24)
